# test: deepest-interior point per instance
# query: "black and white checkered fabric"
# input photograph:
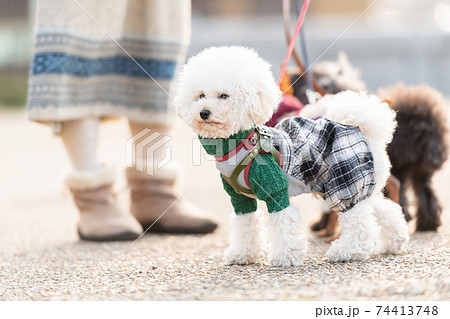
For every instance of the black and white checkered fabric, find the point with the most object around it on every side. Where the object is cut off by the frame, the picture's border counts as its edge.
(330, 158)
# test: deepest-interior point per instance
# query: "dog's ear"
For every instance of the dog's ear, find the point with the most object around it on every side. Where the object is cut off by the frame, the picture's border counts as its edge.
(346, 68)
(264, 101)
(343, 61)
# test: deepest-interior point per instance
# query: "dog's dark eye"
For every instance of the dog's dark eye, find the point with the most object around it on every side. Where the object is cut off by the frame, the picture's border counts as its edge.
(201, 96)
(224, 96)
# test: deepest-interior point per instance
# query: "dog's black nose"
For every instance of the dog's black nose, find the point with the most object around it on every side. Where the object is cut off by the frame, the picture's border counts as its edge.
(204, 114)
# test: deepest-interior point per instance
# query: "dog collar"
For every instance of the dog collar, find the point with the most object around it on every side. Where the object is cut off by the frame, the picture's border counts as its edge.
(222, 146)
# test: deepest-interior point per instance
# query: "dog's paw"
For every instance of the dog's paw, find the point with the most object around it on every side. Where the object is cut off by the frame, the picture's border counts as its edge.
(234, 257)
(393, 246)
(341, 253)
(291, 259)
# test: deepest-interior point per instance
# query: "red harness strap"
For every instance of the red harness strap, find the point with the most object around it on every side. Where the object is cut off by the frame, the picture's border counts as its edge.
(300, 19)
(235, 150)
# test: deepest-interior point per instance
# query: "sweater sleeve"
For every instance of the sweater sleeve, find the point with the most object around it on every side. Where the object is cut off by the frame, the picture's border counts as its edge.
(241, 203)
(269, 183)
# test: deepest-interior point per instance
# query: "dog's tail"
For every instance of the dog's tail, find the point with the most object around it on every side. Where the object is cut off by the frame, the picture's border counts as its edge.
(373, 117)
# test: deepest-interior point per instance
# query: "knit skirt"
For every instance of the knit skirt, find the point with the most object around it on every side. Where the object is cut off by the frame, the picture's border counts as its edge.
(107, 58)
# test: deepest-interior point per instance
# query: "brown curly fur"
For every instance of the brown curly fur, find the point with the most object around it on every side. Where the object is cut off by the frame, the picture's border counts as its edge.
(419, 147)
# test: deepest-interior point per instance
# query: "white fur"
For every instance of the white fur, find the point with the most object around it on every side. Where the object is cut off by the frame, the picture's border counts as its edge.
(241, 74)
(339, 75)
(374, 226)
(288, 243)
(83, 180)
(371, 226)
(359, 234)
(169, 172)
(245, 240)
(393, 227)
(312, 111)
(374, 117)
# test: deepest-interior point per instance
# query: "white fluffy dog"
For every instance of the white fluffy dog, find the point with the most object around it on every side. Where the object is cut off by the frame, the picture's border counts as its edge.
(226, 94)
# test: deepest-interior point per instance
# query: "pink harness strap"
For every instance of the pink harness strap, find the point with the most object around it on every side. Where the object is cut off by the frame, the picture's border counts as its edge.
(300, 19)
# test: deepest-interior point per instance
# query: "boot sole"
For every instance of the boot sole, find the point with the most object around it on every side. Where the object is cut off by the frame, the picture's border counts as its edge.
(158, 228)
(117, 237)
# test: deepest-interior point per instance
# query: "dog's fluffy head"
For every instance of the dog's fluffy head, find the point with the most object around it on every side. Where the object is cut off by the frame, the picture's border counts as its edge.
(335, 77)
(234, 88)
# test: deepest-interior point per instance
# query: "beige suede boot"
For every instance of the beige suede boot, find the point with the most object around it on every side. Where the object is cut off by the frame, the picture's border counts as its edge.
(100, 217)
(155, 202)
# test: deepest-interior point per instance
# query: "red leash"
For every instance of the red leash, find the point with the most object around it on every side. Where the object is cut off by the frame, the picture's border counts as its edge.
(300, 19)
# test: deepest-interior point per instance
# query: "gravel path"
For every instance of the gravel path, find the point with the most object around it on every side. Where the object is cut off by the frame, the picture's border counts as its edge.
(41, 259)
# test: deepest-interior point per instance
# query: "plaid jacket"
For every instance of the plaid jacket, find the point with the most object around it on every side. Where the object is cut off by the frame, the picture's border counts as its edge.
(327, 158)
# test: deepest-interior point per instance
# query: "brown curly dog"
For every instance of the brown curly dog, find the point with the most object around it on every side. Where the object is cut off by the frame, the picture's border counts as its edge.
(419, 147)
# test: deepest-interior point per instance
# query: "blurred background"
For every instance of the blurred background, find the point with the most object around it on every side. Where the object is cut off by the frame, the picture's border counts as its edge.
(395, 40)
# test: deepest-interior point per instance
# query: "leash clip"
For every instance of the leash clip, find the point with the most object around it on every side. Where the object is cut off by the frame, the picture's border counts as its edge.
(265, 138)
(264, 131)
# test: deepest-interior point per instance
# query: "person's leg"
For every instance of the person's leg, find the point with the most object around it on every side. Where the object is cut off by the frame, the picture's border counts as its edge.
(154, 201)
(80, 138)
(161, 137)
(91, 185)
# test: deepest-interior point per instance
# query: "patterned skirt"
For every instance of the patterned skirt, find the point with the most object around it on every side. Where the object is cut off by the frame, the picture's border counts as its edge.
(107, 58)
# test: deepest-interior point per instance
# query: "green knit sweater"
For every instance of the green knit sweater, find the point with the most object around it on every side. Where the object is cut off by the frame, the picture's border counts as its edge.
(268, 181)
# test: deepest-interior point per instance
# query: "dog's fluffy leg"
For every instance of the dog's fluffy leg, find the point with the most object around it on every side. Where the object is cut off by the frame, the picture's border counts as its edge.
(359, 234)
(245, 242)
(288, 245)
(393, 227)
